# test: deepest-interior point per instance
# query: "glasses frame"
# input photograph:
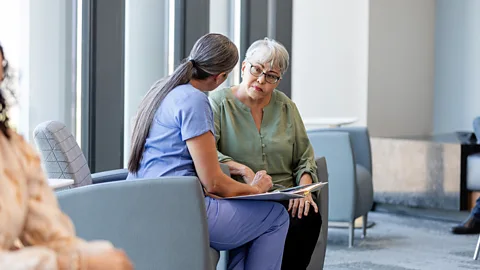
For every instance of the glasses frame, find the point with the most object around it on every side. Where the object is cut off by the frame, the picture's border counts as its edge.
(277, 78)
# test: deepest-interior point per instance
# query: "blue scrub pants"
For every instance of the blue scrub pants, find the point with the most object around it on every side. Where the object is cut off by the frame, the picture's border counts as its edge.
(253, 231)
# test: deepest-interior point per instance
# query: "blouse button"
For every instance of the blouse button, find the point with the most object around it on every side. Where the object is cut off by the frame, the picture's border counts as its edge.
(263, 145)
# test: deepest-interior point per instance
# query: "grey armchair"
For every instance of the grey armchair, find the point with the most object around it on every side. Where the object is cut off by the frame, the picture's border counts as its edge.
(318, 256)
(160, 223)
(348, 154)
(63, 158)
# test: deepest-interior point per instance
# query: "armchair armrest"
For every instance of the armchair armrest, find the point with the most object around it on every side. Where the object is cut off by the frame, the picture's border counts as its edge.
(337, 150)
(109, 176)
(318, 256)
(143, 217)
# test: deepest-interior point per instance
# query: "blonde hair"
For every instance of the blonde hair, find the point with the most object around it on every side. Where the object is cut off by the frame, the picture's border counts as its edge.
(269, 51)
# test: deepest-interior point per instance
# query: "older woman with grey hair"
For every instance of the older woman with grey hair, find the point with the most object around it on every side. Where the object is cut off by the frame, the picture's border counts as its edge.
(259, 128)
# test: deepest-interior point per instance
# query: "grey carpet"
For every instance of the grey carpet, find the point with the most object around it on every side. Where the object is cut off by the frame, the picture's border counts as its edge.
(401, 243)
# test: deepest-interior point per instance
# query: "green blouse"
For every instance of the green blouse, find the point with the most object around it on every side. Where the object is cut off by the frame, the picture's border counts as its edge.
(281, 147)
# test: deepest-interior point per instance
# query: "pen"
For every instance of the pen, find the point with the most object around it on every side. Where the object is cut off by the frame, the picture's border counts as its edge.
(277, 186)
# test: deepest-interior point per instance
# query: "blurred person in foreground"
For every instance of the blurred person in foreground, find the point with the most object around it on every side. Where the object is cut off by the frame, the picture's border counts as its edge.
(34, 233)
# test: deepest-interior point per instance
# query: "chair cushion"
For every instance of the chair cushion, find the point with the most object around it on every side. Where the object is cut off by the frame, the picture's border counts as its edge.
(473, 172)
(364, 199)
(214, 255)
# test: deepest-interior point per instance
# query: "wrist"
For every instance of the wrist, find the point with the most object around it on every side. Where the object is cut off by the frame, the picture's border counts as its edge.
(306, 179)
(257, 189)
(244, 170)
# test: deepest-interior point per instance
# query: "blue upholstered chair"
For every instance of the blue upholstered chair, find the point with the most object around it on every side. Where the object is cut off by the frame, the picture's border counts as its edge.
(348, 154)
(160, 223)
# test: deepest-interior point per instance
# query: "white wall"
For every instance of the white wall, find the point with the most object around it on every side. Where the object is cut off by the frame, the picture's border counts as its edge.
(146, 55)
(46, 64)
(221, 21)
(330, 58)
(219, 17)
(401, 67)
(457, 77)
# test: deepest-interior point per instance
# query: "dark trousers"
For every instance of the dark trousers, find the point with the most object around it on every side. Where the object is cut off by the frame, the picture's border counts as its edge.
(301, 240)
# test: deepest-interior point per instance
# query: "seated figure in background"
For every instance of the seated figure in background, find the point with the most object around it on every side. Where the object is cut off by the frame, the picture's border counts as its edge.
(472, 224)
(259, 128)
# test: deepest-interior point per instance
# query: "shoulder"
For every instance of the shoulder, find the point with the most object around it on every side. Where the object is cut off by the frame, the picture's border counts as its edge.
(186, 96)
(283, 99)
(219, 95)
(181, 101)
(187, 93)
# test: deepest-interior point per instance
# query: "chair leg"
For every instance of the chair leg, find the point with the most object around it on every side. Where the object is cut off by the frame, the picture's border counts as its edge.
(364, 225)
(351, 229)
(477, 249)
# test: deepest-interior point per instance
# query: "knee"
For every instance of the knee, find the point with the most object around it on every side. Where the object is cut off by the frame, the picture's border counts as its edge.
(283, 217)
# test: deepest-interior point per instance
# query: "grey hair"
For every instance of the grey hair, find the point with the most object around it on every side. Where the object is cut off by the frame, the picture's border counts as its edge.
(212, 54)
(269, 51)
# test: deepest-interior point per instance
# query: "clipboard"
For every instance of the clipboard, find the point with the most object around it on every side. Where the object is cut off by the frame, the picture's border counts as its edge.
(282, 194)
(270, 196)
(302, 189)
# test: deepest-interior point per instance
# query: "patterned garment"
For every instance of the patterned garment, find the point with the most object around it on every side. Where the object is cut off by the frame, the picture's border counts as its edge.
(33, 229)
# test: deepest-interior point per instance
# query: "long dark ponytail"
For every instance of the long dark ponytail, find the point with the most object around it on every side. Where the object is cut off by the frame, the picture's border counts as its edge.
(212, 54)
(3, 103)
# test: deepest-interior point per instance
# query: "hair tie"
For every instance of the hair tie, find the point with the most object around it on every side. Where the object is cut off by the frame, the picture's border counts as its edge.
(193, 61)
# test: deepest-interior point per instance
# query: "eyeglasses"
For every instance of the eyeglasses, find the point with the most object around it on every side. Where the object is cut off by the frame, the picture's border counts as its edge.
(258, 72)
